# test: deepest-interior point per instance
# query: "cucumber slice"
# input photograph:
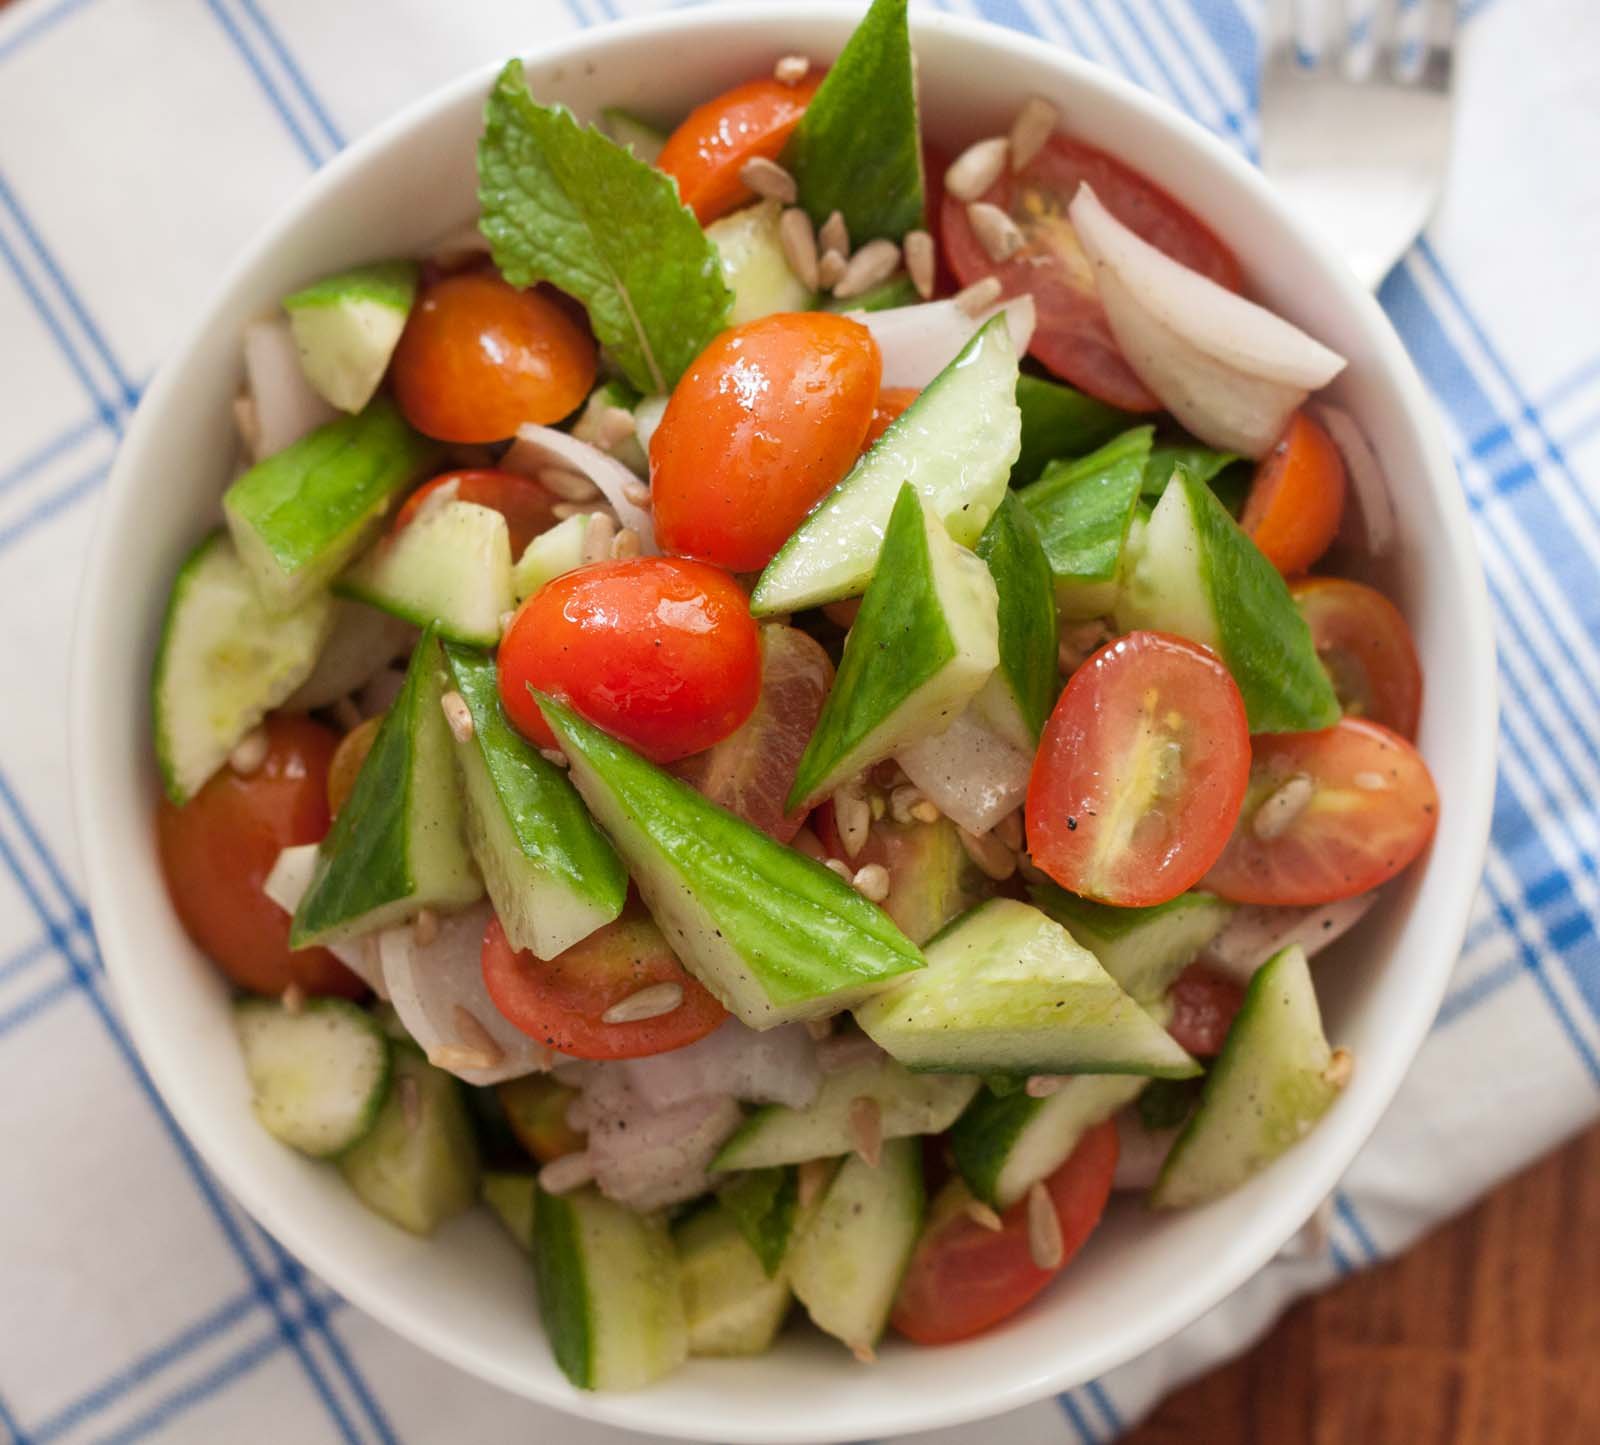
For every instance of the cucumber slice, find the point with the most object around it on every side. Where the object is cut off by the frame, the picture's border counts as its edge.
(399, 843)
(550, 555)
(593, 427)
(510, 1196)
(223, 663)
(418, 1164)
(639, 136)
(1084, 509)
(754, 266)
(907, 1104)
(347, 326)
(922, 645)
(772, 933)
(551, 875)
(1017, 700)
(1007, 990)
(610, 1292)
(847, 1265)
(733, 1305)
(955, 444)
(1144, 949)
(450, 565)
(1004, 1145)
(762, 1204)
(301, 515)
(1273, 1080)
(1059, 422)
(1196, 574)
(932, 878)
(317, 1077)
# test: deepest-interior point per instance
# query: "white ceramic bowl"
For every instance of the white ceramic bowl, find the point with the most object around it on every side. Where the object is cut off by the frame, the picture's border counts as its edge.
(463, 1294)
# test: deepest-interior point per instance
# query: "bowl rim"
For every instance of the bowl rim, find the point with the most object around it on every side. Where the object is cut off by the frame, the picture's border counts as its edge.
(1341, 1137)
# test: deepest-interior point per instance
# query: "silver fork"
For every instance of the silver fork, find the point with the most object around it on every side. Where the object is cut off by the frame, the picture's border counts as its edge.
(1355, 129)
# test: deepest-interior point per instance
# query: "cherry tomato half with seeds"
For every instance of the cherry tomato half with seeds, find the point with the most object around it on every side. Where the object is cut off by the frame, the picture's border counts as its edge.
(525, 505)
(660, 652)
(1367, 648)
(765, 423)
(1296, 498)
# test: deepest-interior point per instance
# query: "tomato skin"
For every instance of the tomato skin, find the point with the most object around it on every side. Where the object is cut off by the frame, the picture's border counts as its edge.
(892, 402)
(964, 1279)
(768, 419)
(1124, 709)
(526, 506)
(1367, 648)
(347, 760)
(1204, 1003)
(660, 652)
(1297, 497)
(1348, 838)
(562, 1000)
(535, 1107)
(217, 850)
(706, 152)
(1073, 337)
(479, 358)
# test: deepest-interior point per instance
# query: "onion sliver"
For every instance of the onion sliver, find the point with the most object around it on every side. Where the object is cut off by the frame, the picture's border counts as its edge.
(537, 447)
(287, 405)
(918, 342)
(971, 774)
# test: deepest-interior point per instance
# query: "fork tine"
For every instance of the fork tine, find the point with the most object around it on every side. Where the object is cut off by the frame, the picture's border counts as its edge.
(1438, 42)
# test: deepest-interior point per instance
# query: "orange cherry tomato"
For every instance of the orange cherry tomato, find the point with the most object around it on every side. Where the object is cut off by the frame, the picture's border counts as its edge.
(1204, 1003)
(217, 849)
(563, 1001)
(1297, 497)
(347, 760)
(706, 152)
(535, 1107)
(892, 401)
(661, 652)
(479, 358)
(525, 505)
(768, 419)
(1367, 648)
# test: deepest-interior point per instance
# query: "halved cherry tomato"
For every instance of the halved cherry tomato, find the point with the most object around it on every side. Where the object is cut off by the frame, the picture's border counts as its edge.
(659, 651)
(347, 760)
(1297, 497)
(1140, 773)
(562, 1001)
(535, 1107)
(1073, 337)
(217, 850)
(478, 358)
(964, 1278)
(892, 401)
(1366, 646)
(767, 420)
(706, 152)
(1204, 1003)
(1370, 810)
(524, 504)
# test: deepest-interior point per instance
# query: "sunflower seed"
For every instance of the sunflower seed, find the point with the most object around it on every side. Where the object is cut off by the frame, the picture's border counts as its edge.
(921, 264)
(866, 1129)
(293, 999)
(1042, 1086)
(562, 510)
(1034, 125)
(567, 484)
(1340, 1067)
(554, 756)
(983, 1216)
(563, 1175)
(872, 882)
(852, 816)
(902, 800)
(977, 168)
(991, 855)
(836, 865)
(767, 178)
(458, 715)
(647, 1003)
(1044, 1229)
(625, 543)
(830, 268)
(614, 426)
(453, 1058)
(597, 538)
(1009, 831)
(811, 1178)
(791, 69)
(799, 245)
(977, 298)
(819, 1029)
(1281, 807)
(247, 421)
(424, 927)
(637, 493)
(1000, 236)
(249, 753)
(834, 235)
(471, 1031)
(872, 265)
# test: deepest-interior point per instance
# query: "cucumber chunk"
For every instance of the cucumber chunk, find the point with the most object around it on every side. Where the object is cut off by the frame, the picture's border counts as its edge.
(301, 515)
(610, 1292)
(223, 663)
(550, 555)
(955, 444)
(1059, 422)
(922, 645)
(1275, 1077)
(772, 933)
(317, 1077)
(1007, 990)
(551, 875)
(932, 878)
(347, 326)
(399, 843)
(733, 1305)
(754, 265)
(907, 1104)
(1196, 574)
(510, 1196)
(639, 136)
(1017, 700)
(418, 1164)
(848, 1263)
(762, 1205)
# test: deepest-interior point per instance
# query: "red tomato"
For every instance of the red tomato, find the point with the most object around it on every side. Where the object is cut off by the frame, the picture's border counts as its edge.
(1366, 646)
(1203, 1005)
(750, 772)
(535, 1107)
(768, 419)
(1371, 809)
(892, 401)
(1140, 773)
(1073, 337)
(1297, 497)
(964, 1278)
(217, 850)
(562, 1001)
(524, 504)
(706, 152)
(478, 358)
(659, 651)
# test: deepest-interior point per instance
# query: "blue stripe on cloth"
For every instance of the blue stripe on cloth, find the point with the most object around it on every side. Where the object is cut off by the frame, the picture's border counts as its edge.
(1108, 1411)
(1496, 436)
(8, 1423)
(1181, 92)
(576, 11)
(42, 456)
(1234, 37)
(75, 491)
(35, 1004)
(23, 958)
(231, 1370)
(1069, 27)
(42, 19)
(296, 74)
(1341, 1261)
(1462, 1001)
(232, 30)
(1345, 1208)
(1075, 1416)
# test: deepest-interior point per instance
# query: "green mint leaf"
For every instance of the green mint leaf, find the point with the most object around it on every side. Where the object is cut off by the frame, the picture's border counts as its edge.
(857, 149)
(562, 203)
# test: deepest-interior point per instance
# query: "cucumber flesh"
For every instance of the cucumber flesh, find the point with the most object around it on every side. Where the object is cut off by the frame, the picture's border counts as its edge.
(347, 326)
(550, 555)
(932, 878)
(639, 136)
(592, 426)
(510, 1196)
(317, 1077)
(732, 1305)
(762, 1204)
(223, 663)
(754, 264)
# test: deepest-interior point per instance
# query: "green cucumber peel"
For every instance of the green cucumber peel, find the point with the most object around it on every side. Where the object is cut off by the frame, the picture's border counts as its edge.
(1025, 685)
(1059, 422)
(347, 326)
(509, 1195)
(762, 1203)
(732, 1305)
(385, 283)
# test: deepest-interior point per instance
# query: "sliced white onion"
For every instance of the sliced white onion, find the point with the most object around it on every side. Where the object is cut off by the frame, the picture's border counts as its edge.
(543, 446)
(1253, 934)
(778, 1066)
(1140, 1152)
(286, 885)
(1374, 504)
(428, 982)
(918, 342)
(648, 1159)
(969, 772)
(363, 642)
(286, 404)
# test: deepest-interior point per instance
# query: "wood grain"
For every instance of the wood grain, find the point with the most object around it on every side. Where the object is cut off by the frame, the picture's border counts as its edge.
(1486, 1333)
